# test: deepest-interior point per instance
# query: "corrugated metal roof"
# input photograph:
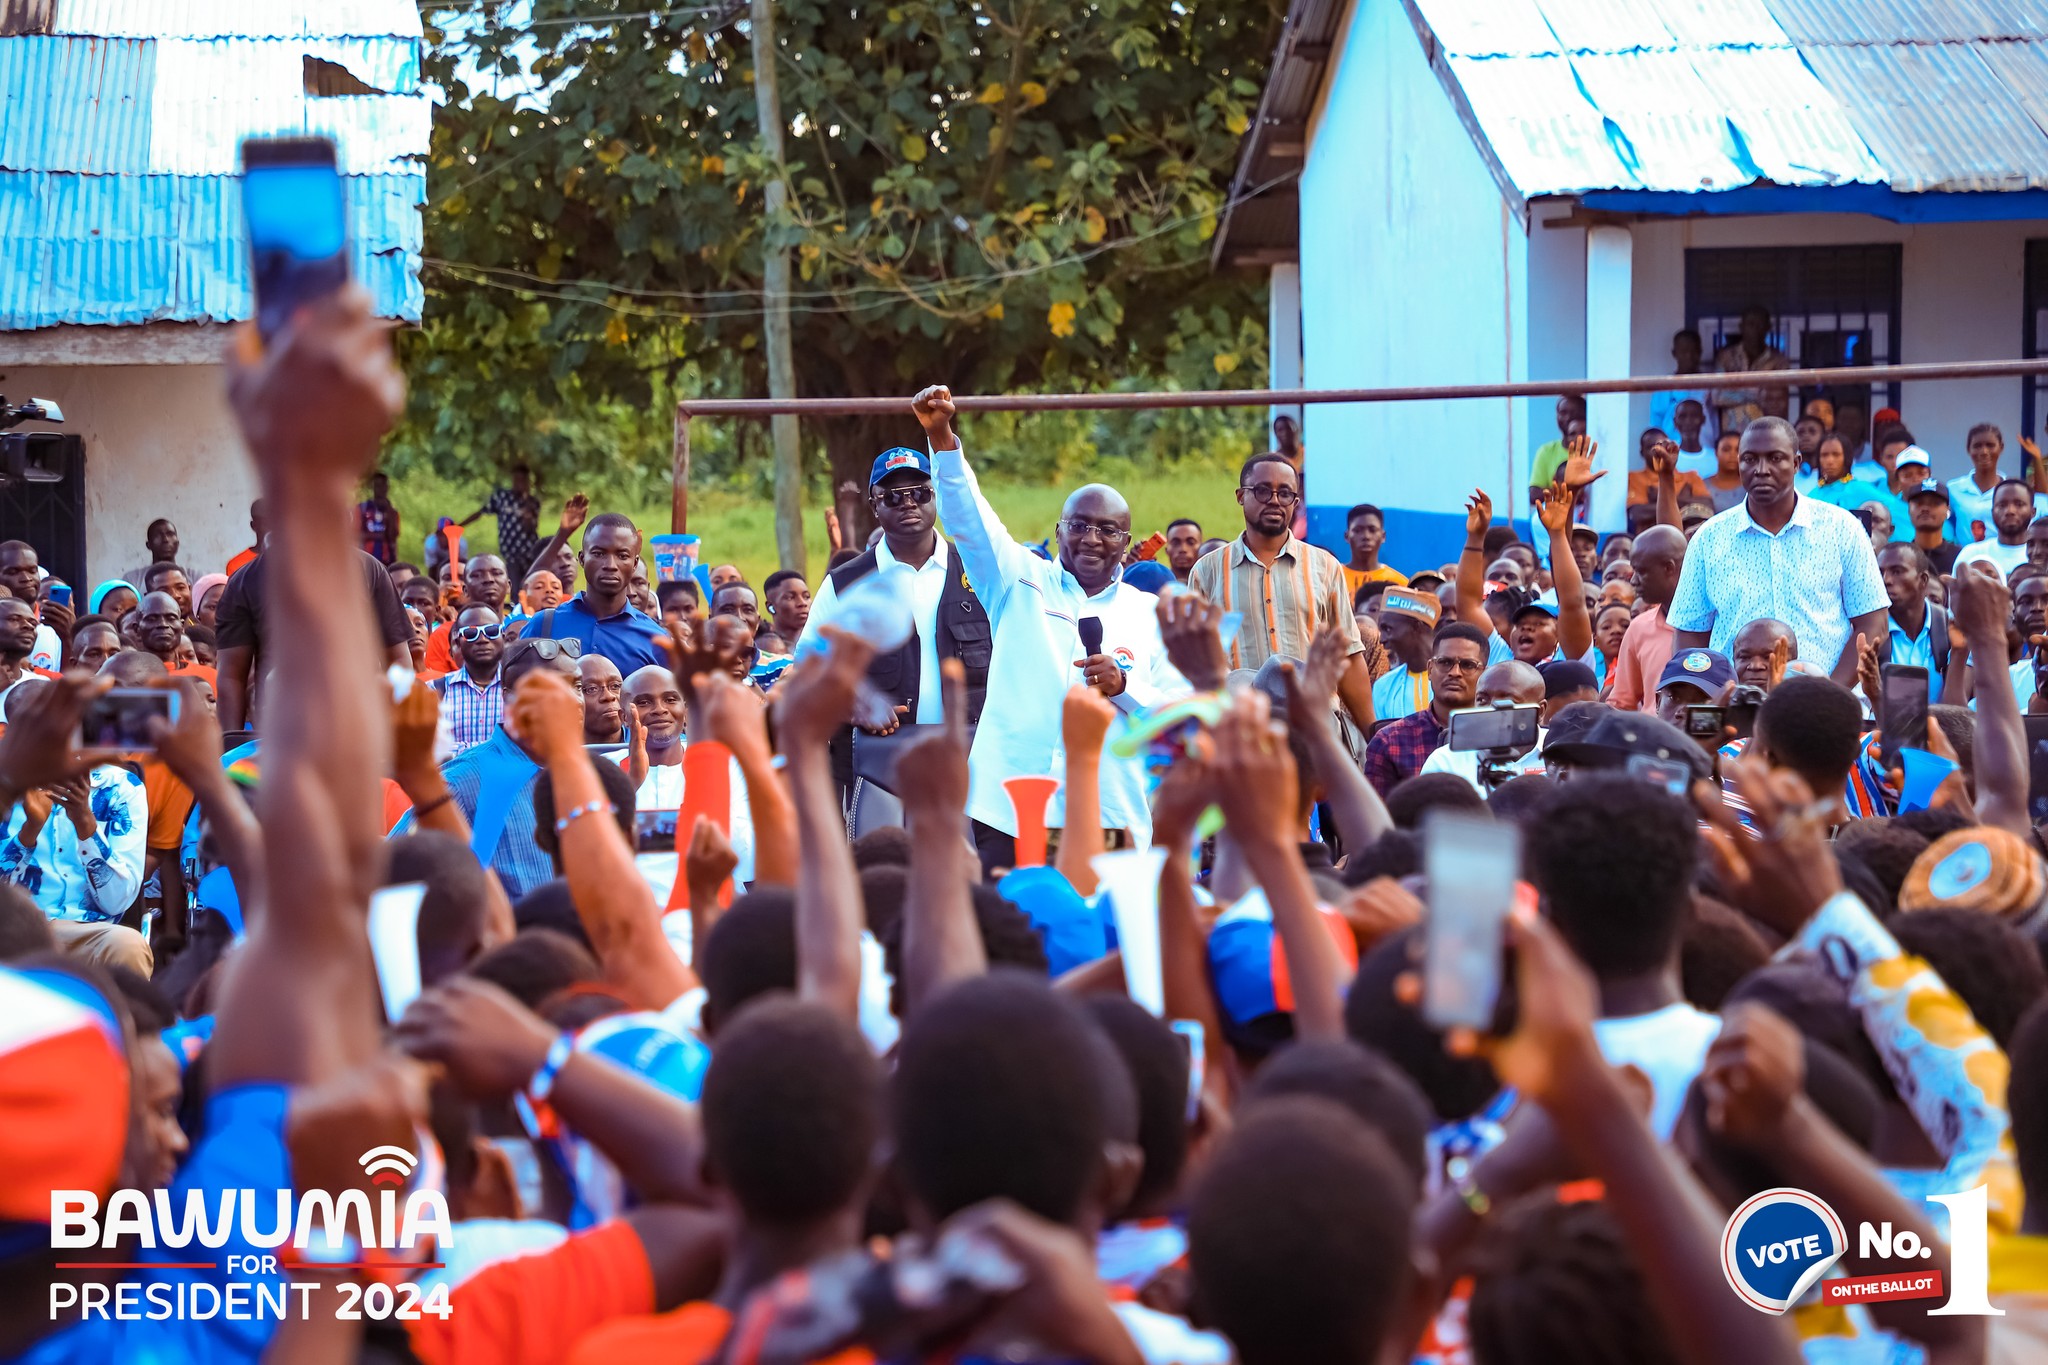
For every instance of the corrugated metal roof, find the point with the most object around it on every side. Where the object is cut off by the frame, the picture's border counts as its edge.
(106, 250)
(120, 133)
(239, 18)
(1706, 95)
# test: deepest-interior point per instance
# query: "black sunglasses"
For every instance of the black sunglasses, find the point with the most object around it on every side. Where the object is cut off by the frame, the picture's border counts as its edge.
(915, 495)
(551, 650)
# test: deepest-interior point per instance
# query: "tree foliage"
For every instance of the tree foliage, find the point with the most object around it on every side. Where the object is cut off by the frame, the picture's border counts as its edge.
(990, 193)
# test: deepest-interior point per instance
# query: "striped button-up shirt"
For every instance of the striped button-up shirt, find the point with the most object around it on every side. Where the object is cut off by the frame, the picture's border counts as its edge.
(1283, 606)
(473, 708)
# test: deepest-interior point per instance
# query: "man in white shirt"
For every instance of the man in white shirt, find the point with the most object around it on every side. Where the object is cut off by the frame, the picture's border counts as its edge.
(2012, 511)
(1513, 681)
(1041, 611)
(948, 621)
(1614, 863)
(1779, 555)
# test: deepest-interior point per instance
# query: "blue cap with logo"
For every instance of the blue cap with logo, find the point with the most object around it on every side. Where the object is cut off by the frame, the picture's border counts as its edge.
(1706, 669)
(899, 457)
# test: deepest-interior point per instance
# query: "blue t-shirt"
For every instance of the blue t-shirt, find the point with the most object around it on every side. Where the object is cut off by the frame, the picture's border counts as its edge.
(244, 1148)
(627, 638)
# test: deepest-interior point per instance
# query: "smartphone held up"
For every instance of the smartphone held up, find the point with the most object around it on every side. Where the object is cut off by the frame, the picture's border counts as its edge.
(119, 718)
(298, 226)
(1472, 864)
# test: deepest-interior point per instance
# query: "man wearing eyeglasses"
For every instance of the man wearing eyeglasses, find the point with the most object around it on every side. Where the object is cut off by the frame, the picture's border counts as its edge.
(471, 697)
(1041, 612)
(1287, 590)
(1398, 751)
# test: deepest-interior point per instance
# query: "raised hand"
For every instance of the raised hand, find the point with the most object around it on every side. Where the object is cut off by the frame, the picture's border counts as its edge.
(1312, 688)
(574, 511)
(190, 745)
(415, 721)
(321, 397)
(489, 1043)
(1254, 774)
(1085, 716)
(939, 759)
(1190, 629)
(934, 409)
(40, 745)
(1578, 468)
(1868, 671)
(816, 694)
(546, 715)
(1785, 872)
(1980, 603)
(1551, 1050)
(1187, 790)
(1754, 1070)
(1662, 457)
(733, 713)
(708, 861)
(710, 650)
(1554, 508)
(1378, 910)
(1478, 515)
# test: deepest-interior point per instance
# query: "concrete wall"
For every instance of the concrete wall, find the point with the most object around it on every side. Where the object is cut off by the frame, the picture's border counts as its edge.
(159, 442)
(1960, 300)
(1412, 272)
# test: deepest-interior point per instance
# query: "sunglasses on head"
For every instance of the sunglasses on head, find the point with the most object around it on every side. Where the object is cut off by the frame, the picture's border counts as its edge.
(912, 495)
(470, 634)
(551, 650)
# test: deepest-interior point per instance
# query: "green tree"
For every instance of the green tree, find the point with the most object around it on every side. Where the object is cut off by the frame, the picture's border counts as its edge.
(1010, 194)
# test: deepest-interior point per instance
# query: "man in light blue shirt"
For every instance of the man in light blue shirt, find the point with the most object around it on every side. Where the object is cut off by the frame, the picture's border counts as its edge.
(1919, 629)
(1408, 621)
(1779, 555)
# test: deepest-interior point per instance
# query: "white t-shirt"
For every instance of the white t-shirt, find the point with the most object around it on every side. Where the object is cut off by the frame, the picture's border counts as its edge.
(1669, 1046)
(663, 791)
(2004, 558)
(1465, 762)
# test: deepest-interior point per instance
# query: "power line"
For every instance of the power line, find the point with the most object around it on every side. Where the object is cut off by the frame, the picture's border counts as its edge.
(923, 290)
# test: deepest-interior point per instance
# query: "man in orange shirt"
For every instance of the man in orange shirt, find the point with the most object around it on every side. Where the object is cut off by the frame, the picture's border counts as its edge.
(1659, 554)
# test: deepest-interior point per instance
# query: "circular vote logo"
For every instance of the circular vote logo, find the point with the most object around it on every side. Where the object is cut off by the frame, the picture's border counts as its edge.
(1777, 1245)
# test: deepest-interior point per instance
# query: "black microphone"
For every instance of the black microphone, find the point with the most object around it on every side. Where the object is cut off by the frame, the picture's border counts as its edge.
(1091, 634)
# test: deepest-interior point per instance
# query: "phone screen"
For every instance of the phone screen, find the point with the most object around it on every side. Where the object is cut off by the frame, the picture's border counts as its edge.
(1504, 727)
(1904, 719)
(1472, 865)
(1704, 723)
(298, 225)
(119, 719)
(60, 593)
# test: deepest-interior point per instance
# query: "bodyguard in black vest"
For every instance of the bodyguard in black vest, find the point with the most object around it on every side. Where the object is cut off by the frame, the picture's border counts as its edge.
(951, 622)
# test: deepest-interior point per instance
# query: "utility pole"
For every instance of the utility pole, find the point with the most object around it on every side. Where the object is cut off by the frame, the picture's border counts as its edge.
(789, 473)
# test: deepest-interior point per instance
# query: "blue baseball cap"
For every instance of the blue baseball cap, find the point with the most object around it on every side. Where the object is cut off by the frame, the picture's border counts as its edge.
(1148, 576)
(1706, 669)
(899, 457)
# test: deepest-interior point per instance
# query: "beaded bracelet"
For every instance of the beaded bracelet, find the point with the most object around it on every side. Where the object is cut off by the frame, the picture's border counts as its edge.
(543, 1083)
(575, 813)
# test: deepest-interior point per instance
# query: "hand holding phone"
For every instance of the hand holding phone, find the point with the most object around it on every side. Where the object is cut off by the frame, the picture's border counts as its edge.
(1903, 720)
(119, 718)
(298, 226)
(1472, 864)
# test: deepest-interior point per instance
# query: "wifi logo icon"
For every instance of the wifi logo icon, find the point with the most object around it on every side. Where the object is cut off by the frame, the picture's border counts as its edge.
(388, 1165)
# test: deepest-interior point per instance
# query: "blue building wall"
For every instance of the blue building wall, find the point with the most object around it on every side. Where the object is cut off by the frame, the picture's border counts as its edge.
(1413, 272)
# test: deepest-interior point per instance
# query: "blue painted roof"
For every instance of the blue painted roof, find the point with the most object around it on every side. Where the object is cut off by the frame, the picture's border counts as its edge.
(1692, 96)
(120, 128)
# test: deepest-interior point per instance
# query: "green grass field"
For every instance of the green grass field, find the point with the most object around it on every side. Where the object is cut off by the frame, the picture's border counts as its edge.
(740, 529)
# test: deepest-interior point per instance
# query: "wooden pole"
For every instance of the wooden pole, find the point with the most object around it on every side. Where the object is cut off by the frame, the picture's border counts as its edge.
(789, 470)
(679, 475)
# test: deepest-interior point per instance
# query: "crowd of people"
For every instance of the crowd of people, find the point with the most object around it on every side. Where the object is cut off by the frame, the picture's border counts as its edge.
(1040, 982)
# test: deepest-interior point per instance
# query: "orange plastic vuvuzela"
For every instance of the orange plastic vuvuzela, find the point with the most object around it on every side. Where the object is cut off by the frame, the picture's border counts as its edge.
(1029, 797)
(452, 533)
(707, 791)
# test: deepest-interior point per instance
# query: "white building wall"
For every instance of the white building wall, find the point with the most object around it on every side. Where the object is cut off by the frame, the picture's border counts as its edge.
(1412, 272)
(159, 442)
(1960, 300)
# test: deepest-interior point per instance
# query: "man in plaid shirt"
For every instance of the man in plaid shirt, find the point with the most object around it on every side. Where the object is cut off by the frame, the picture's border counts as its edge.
(1457, 657)
(471, 697)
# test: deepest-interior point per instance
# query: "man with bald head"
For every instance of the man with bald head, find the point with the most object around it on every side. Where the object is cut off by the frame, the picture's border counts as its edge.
(603, 692)
(1513, 682)
(1055, 623)
(659, 709)
(1658, 556)
(1760, 652)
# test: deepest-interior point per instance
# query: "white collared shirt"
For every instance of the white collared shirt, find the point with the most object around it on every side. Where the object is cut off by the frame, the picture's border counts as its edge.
(1815, 575)
(927, 585)
(1033, 605)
